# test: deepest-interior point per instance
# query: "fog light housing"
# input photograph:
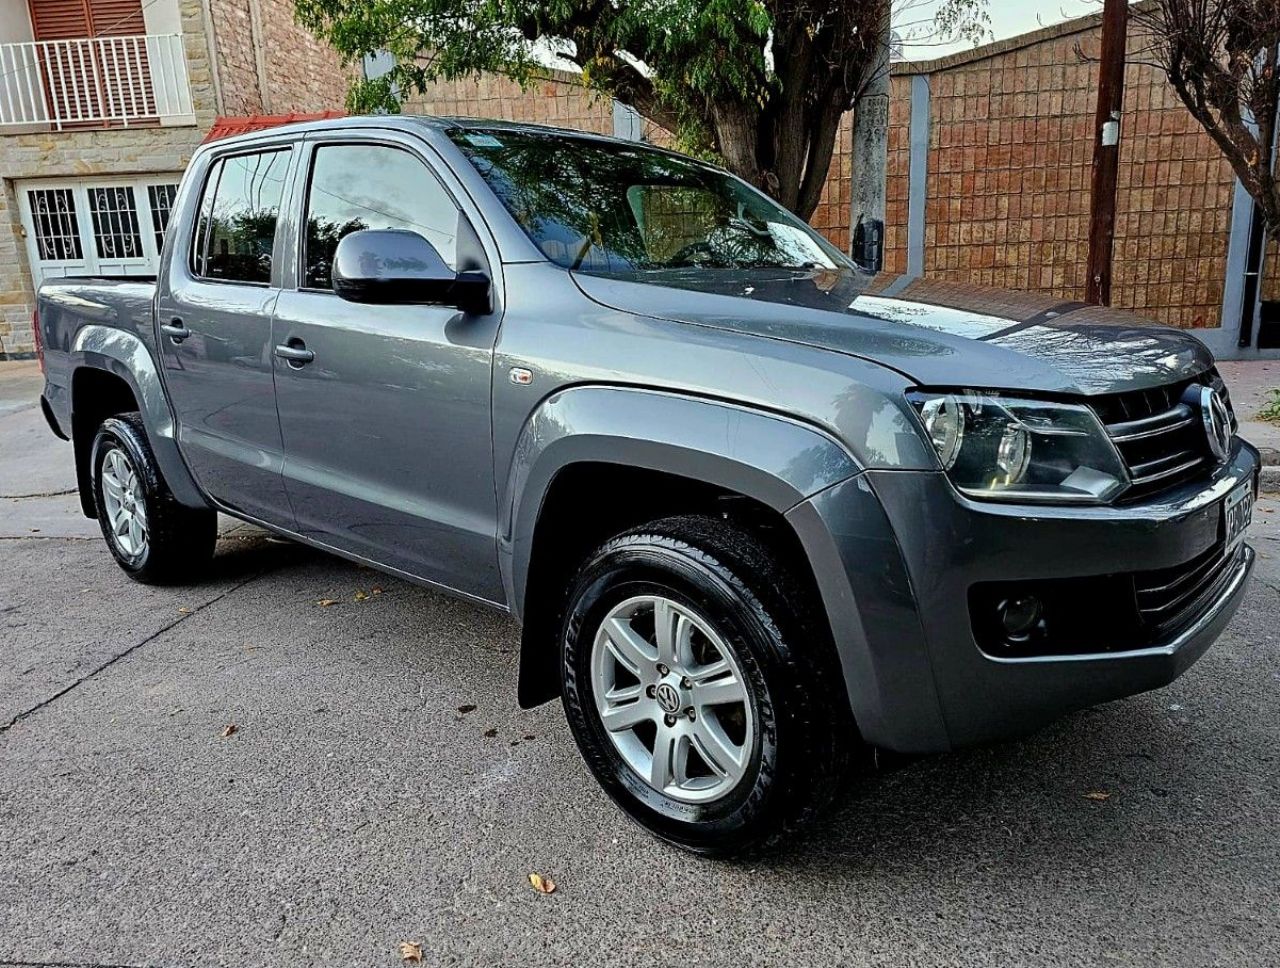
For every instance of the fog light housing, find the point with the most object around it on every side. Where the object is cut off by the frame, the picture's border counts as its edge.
(1020, 615)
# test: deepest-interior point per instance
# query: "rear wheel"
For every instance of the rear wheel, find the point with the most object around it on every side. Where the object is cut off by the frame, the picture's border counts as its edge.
(153, 538)
(702, 695)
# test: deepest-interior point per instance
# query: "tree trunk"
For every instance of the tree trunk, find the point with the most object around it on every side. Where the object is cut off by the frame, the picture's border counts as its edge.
(737, 131)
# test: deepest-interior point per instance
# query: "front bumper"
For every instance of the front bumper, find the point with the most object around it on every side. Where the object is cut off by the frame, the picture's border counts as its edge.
(917, 679)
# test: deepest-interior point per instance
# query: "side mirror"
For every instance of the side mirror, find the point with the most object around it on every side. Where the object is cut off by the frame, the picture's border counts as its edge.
(399, 267)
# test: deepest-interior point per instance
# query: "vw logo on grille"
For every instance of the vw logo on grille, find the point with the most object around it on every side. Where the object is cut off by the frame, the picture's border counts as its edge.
(1217, 422)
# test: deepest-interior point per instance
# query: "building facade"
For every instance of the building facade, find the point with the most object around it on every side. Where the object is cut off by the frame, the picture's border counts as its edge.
(102, 103)
(989, 156)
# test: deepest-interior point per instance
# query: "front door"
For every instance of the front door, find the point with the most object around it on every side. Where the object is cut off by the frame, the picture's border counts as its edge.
(386, 429)
(214, 315)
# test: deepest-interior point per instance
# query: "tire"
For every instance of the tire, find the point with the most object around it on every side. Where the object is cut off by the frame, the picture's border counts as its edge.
(783, 750)
(168, 543)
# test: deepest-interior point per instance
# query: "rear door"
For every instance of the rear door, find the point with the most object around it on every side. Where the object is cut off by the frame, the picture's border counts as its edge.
(214, 306)
(387, 435)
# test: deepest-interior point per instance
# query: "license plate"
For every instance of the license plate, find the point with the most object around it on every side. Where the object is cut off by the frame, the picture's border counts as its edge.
(1237, 512)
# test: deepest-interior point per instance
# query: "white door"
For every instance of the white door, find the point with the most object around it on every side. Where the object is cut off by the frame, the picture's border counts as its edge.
(95, 226)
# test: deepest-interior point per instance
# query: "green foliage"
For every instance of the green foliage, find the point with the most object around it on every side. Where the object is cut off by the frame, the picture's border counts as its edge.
(760, 83)
(1271, 409)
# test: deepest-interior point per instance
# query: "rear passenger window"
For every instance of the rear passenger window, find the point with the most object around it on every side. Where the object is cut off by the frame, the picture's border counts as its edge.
(236, 229)
(372, 187)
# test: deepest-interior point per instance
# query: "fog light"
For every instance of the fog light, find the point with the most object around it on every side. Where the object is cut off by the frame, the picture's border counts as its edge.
(1020, 616)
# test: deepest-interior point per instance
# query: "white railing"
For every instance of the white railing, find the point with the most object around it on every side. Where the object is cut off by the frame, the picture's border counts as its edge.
(94, 82)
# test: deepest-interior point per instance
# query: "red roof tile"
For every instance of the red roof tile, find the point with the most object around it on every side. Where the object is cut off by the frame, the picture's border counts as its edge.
(225, 127)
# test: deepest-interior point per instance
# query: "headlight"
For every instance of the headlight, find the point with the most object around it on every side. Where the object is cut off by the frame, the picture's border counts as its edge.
(1014, 449)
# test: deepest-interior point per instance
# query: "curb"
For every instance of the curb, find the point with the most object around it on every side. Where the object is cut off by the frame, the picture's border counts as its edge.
(1269, 478)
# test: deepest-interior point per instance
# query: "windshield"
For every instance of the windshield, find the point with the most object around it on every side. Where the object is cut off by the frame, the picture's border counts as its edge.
(604, 207)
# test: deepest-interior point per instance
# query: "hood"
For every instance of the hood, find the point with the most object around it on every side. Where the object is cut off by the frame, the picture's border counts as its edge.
(935, 333)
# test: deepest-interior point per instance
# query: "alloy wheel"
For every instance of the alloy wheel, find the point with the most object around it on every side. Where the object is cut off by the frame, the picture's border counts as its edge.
(672, 698)
(124, 504)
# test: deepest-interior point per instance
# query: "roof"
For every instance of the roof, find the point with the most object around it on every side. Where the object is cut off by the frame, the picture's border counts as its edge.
(227, 127)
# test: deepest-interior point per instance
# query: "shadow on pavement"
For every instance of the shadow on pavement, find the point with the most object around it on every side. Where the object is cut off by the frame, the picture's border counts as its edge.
(246, 554)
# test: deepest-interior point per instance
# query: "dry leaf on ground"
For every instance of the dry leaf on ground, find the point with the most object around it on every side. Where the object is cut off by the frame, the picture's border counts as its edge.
(360, 596)
(230, 730)
(543, 885)
(184, 610)
(410, 951)
(467, 707)
(1097, 795)
(326, 602)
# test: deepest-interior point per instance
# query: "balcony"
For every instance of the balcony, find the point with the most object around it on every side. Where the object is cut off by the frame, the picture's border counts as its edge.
(98, 82)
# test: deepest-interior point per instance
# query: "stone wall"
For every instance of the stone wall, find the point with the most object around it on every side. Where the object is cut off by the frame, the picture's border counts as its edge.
(269, 64)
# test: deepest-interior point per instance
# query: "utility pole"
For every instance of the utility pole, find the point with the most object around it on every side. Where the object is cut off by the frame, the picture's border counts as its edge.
(871, 158)
(1106, 151)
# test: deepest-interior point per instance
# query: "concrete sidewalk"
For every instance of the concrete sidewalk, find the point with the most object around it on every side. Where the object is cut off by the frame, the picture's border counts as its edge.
(20, 385)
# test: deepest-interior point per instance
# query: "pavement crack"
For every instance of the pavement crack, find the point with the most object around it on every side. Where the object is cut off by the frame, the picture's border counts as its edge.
(23, 497)
(5, 727)
(47, 537)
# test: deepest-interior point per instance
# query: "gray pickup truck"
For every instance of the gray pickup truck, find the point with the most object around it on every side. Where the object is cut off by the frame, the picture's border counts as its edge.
(755, 509)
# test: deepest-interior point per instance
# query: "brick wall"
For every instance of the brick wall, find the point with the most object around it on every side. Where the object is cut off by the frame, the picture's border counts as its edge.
(831, 217)
(1173, 207)
(1009, 166)
(1009, 160)
(237, 62)
(558, 99)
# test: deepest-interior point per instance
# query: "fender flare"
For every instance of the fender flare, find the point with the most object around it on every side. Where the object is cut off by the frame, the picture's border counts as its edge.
(773, 459)
(124, 355)
(776, 460)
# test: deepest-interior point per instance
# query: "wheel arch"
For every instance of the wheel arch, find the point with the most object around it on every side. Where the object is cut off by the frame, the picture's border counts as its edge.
(113, 372)
(650, 454)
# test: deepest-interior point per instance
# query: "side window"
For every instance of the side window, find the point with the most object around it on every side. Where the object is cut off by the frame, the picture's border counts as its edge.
(357, 187)
(236, 229)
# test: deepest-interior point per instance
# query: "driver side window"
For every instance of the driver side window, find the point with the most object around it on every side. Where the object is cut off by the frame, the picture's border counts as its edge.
(357, 187)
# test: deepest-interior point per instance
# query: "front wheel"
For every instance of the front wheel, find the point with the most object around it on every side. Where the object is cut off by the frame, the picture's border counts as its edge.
(703, 695)
(155, 539)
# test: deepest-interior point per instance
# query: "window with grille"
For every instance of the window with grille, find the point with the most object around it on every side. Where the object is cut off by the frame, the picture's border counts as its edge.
(53, 216)
(161, 198)
(115, 223)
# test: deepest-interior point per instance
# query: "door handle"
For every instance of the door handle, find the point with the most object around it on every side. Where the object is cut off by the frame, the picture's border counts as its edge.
(295, 352)
(175, 329)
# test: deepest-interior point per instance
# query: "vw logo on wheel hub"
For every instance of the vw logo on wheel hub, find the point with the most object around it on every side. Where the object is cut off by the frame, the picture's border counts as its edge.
(1217, 422)
(668, 698)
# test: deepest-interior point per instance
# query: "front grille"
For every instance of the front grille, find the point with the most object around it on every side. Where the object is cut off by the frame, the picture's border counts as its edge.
(1159, 435)
(1170, 598)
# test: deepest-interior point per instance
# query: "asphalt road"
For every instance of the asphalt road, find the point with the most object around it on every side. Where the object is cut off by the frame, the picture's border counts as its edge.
(381, 786)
